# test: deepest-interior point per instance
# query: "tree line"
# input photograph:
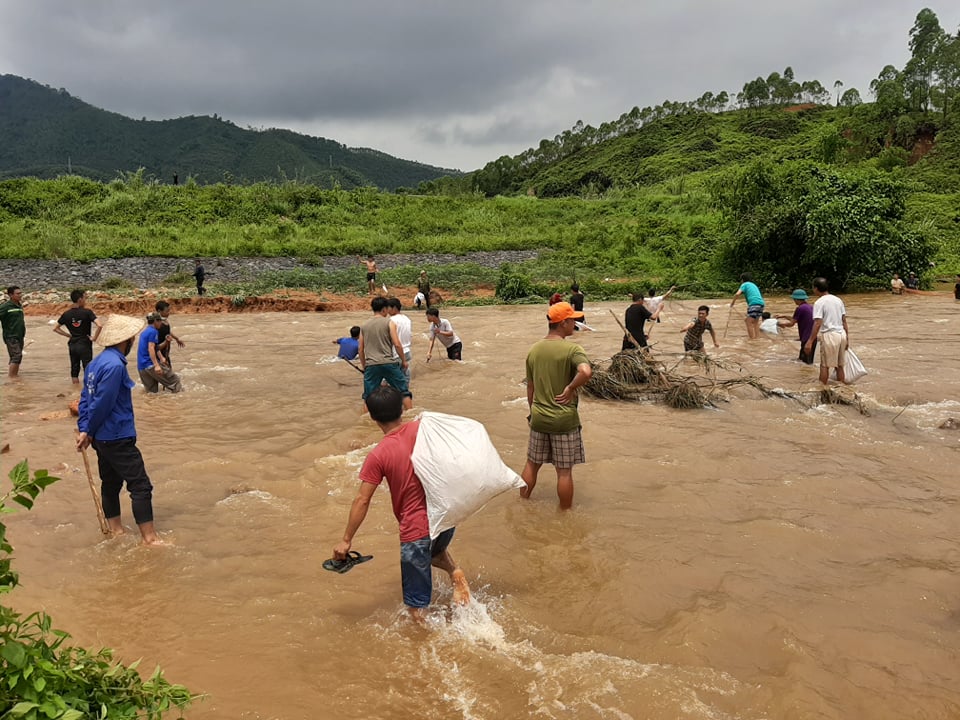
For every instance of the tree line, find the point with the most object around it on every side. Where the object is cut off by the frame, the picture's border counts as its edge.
(929, 81)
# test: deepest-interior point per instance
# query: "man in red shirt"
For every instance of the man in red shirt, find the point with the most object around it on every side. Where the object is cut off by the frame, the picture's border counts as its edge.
(391, 459)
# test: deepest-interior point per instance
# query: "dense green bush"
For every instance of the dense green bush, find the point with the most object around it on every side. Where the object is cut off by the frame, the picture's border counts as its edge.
(790, 222)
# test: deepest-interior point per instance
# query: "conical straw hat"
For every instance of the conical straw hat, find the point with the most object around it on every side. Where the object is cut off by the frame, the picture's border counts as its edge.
(117, 328)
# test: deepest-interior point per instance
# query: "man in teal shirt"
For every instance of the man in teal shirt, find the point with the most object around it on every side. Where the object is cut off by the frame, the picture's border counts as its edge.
(755, 304)
(14, 328)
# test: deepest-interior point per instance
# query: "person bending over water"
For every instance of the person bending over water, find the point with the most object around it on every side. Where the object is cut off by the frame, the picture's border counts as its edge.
(391, 459)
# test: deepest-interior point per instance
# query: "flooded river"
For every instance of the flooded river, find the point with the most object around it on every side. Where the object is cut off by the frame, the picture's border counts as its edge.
(758, 560)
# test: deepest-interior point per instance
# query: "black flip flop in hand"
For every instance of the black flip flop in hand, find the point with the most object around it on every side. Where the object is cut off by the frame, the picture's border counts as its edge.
(342, 566)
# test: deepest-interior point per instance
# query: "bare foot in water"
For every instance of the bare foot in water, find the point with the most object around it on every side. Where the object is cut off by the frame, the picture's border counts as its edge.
(461, 590)
(155, 542)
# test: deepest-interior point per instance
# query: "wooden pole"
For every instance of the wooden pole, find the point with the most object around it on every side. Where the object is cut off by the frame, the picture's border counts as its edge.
(727, 326)
(96, 494)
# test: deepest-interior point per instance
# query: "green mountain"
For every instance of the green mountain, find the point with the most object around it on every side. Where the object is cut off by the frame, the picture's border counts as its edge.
(46, 132)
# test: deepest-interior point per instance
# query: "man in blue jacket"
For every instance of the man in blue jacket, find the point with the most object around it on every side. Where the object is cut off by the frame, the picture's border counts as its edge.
(106, 422)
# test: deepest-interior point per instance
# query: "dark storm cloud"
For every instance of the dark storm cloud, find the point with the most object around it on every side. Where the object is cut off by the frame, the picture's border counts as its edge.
(421, 77)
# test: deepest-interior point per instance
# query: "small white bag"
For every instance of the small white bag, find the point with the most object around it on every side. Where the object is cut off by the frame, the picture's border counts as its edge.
(459, 468)
(853, 369)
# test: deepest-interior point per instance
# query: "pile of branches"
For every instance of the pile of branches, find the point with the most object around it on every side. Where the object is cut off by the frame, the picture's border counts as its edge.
(637, 376)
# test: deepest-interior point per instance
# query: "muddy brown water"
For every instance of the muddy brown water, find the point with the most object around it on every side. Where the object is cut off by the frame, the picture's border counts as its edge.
(758, 560)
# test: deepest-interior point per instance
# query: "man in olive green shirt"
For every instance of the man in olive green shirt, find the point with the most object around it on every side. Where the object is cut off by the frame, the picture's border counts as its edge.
(555, 370)
(14, 328)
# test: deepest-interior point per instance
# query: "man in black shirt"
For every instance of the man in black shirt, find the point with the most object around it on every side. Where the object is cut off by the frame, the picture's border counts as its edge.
(634, 319)
(78, 321)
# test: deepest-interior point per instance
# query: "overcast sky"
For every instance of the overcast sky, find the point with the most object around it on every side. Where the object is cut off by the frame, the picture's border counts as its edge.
(454, 84)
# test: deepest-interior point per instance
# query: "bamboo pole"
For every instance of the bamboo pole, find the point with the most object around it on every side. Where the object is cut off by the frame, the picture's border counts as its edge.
(104, 528)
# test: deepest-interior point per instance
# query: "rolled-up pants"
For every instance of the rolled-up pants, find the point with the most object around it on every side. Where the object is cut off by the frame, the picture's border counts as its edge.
(119, 462)
(152, 380)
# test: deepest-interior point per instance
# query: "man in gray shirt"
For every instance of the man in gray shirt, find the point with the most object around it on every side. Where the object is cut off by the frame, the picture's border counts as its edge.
(378, 342)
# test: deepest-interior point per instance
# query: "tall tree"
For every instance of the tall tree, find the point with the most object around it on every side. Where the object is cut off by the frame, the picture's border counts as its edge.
(837, 84)
(926, 39)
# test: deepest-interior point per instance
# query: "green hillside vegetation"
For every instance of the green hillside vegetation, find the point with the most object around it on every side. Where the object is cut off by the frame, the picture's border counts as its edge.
(796, 181)
(47, 133)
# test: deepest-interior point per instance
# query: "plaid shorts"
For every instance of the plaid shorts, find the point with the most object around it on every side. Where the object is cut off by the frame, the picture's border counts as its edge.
(562, 450)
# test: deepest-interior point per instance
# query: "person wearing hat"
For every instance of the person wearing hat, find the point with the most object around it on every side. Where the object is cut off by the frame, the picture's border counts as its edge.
(555, 370)
(106, 422)
(912, 282)
(803, 319)
(152, 373)
(423, 290)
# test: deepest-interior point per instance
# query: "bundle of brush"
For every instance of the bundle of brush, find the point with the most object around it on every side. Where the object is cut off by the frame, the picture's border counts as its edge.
(606, 385)
(685, 395)
(638, 367)
(630, 375)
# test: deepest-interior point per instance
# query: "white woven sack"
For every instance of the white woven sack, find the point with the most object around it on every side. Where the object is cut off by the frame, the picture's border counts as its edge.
(853, 369)
(459, 468)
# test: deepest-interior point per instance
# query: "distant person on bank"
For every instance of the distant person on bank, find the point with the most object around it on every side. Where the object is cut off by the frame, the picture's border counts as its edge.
(106, 422)
(14, 328)
(371, 266)
(830, 329)
(423, 291)
(755, 304)
(199, 275)
(153, 373)
(803, 318)
(555, 370)
(391, 460)
(77, 324)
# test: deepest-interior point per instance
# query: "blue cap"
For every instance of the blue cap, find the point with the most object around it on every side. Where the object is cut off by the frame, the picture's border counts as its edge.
(799, 294)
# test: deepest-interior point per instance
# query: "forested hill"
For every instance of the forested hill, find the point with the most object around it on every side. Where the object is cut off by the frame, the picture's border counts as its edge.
(46, 132)
(913, 124)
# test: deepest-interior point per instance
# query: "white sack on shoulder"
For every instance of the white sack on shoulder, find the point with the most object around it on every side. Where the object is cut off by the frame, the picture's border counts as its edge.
(853, 369)
(459, 468)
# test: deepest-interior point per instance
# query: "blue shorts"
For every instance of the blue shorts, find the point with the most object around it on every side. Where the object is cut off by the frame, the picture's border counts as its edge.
(415, 557)
(755, 311)
(391, 372)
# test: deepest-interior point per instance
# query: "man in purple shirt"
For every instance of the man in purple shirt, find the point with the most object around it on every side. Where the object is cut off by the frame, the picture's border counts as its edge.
(803, 319)
(106, 422)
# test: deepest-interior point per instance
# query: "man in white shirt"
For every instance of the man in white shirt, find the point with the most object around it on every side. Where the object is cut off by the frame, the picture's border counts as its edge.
(654, 302)
(404, 329)
(441, 328)
(830, 328)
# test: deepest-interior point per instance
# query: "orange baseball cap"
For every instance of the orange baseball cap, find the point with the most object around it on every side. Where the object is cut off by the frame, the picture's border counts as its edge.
(561, 311)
